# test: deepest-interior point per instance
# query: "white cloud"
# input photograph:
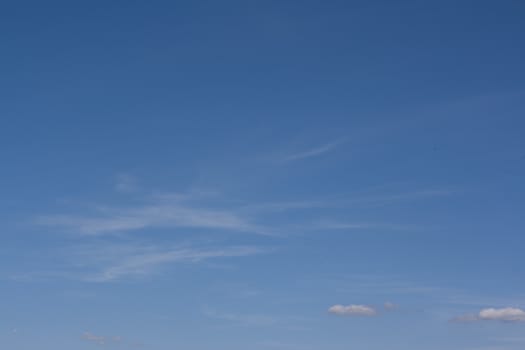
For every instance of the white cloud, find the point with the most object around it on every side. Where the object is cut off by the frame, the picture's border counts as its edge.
(508, 314)
(352, 310)
(313, 152)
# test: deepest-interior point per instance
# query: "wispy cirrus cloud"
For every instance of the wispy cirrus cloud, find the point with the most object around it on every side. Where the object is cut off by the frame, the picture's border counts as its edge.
(312, 152)
(184, 211)
(103, 261)
(388, 198)
(111, 262)
(164, 212)
(336, 225)
(352, 200)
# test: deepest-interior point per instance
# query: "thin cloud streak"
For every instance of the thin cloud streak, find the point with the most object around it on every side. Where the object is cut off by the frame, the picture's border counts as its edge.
(349, 201)
(159, 215)
(113, 262)
(103, 261)
(334, 225)
(313, 152)
(399, 197)
(191, 211)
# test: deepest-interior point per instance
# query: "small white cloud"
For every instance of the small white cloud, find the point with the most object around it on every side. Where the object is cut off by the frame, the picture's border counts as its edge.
(352, 310)
(508, 314)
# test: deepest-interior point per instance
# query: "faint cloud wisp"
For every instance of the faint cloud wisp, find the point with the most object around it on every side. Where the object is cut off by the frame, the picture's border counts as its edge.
(313, 152)
(112, 262)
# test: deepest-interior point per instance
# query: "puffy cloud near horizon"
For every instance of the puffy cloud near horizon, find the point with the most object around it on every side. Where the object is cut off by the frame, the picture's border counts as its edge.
(508, 314)
(352, 310)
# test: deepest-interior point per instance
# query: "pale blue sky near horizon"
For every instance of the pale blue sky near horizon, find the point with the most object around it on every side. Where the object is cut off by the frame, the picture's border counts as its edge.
(262, 175)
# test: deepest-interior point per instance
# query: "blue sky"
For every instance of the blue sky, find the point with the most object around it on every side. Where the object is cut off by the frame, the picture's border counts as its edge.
(262, 175)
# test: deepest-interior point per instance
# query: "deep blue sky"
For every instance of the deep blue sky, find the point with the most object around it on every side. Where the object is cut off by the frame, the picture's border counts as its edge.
(262, 175)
